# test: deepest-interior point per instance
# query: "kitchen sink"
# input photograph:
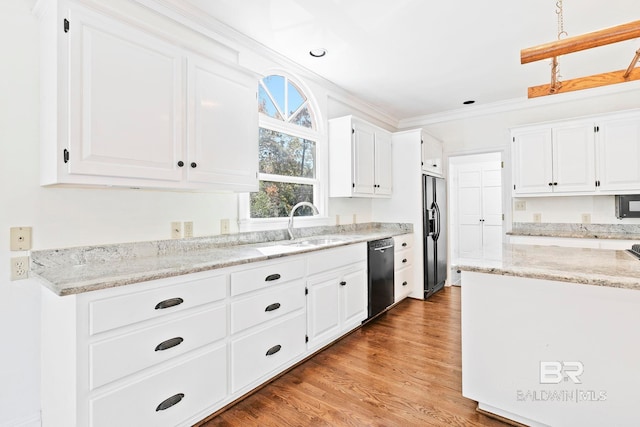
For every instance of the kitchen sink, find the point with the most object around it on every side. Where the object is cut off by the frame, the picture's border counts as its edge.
(285, 247)
(320, 241)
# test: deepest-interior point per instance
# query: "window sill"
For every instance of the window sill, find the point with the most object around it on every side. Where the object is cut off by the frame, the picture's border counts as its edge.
(281, 223)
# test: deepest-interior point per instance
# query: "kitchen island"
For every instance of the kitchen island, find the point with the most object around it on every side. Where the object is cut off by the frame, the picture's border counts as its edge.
(550, 335)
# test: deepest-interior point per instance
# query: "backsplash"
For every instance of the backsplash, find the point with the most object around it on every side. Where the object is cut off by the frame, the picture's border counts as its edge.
(572, 210)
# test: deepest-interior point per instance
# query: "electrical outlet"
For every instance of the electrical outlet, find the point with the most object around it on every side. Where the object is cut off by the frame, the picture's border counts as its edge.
(520, 205)
(20, 238)
(19, 268)
(224, 226)
(586, 218)
(188, 229)
(537, 217)
(337, 219)
(176, 230)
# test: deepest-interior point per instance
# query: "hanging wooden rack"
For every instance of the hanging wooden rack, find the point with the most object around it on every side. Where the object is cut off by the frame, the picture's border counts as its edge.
(607, 36)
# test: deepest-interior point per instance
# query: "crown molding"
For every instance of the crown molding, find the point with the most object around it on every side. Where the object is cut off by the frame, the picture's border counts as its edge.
(516, 104)
(194, 18)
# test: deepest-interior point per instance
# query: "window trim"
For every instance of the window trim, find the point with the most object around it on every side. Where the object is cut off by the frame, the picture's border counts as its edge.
(321, 181)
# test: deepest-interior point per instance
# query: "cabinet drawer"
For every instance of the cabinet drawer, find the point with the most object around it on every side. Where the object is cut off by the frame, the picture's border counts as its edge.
(114, 312)
(268, 274)
(115, 358)
(403, 283)
(199, 382)
(403, 259)
(257, 354)
(330, 259)
(403, 242)
(266, 306)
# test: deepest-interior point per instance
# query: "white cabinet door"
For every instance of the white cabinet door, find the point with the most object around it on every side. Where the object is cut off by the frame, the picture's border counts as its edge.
(353, 299)
(383, 164)
(363, 158)
(619, 154)
(125, 101)
(532, 162)
(431, 154)
(492, 218)
(574, 159)
(323, 315)
(223, 126)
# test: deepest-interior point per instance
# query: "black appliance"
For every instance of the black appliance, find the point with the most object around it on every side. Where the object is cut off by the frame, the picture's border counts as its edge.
(628, 206)
(434, 214)
(380, 259)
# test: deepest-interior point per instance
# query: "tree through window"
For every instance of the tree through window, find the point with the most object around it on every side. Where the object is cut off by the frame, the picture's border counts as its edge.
(287, 150)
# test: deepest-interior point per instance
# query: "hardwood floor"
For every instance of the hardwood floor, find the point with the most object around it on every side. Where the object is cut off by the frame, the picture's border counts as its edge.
(403, 369)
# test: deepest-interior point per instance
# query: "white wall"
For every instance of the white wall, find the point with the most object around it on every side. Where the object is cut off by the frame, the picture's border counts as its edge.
(490, 132)
(63, 217)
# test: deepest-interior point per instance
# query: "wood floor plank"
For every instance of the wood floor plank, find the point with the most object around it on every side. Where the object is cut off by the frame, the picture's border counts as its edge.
(403, 369)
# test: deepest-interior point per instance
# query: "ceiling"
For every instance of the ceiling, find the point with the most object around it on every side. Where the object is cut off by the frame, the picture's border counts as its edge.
(410, 58)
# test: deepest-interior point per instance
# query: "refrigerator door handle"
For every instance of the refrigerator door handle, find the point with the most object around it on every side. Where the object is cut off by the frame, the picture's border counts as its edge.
(437, 215)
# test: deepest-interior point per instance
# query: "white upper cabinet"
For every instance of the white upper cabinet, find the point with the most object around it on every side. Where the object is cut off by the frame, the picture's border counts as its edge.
(124, 107)
(431, 155)
(619, 154)
(360, 163)
(222, 143)
(554, 160)
(595, 155)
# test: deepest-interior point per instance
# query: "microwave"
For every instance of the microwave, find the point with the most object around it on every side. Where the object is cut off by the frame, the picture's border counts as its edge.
(628, 206)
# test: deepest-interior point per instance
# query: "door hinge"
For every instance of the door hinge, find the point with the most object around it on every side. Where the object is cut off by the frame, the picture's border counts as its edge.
(502, 165)
(65, 155)
(514, 139)
(306, 338)
(66, 25)
(514, 186)
(353, 131)
(353, 185)
(306, 291)
(503, 217)
(421, 141)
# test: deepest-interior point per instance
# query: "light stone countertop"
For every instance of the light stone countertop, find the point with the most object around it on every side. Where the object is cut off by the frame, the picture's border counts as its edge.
(599, 267)
(577, 231)
(75, 270)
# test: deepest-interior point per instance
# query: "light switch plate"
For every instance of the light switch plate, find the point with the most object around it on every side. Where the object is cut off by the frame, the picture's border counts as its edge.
(586, 218)
(520, 205)
(188, 229)
(176, 230)
(224, 226)
(537, 217)
(20, 238)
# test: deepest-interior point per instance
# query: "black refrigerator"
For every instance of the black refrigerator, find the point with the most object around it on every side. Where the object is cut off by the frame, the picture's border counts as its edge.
(434, 239)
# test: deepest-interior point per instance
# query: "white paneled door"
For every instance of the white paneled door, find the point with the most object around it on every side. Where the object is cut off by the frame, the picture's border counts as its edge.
(479, 190)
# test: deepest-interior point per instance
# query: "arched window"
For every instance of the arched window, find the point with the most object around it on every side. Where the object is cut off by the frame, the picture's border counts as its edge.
(288, 137)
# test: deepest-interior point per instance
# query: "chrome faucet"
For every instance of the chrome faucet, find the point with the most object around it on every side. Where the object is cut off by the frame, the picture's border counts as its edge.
(293, 209)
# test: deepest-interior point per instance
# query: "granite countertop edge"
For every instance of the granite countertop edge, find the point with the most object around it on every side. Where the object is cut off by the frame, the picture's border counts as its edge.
(576, 235)
(55, 268)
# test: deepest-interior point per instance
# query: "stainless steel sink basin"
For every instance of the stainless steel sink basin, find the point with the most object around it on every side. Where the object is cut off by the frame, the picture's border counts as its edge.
(318, 241)
(312, 242)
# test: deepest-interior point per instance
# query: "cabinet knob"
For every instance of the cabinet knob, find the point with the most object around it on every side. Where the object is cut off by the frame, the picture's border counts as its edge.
(194, 164)
(273, 350)
(172, 302)
(180, 164)
(550, 184)
(343, 283)
(271, 307)
(555, 183)
(404, 283)
(404, 244)
(435, 166)
(168, 403)
(404, 260)
(166, 345)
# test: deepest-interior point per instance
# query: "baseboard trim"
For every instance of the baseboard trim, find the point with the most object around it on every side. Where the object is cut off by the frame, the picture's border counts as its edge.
(28, 421)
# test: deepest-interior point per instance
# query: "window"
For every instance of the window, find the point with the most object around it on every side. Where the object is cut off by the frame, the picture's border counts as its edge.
(288, 157)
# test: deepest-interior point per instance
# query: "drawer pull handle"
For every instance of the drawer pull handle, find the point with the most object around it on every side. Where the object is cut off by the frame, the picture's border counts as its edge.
(404, 260)
(343, 283)
(404, 244)
(168, 403)
(272, 277)
(404, 283)
(271, 307)
(166, 345)
(172, 302)
(274, 350)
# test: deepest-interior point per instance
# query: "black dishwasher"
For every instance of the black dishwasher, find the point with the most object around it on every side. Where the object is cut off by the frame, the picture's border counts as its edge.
(380, 259)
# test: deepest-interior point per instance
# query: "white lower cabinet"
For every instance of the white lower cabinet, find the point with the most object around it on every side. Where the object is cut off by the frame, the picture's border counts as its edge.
(166, 398)
(337, 294)
(170, 352)
(403, 266)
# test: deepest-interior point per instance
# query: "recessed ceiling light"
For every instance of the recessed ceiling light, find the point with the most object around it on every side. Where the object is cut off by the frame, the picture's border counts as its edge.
(318, 53)
(469, 102)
